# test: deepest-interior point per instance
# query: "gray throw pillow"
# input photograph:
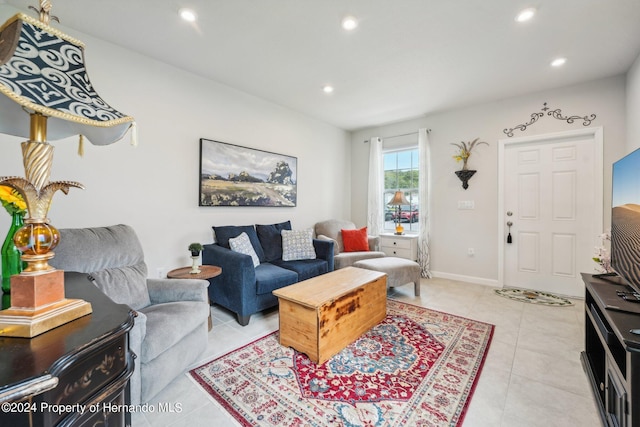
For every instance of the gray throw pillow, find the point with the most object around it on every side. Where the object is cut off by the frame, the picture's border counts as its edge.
(297, 245)
(242, 244)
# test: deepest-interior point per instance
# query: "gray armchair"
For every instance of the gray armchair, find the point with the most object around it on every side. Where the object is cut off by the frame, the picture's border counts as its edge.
(170, 330)
(331, 230)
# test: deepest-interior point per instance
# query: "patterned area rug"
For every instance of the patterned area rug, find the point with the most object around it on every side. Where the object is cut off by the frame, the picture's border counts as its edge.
(534, 297)
(418, 367)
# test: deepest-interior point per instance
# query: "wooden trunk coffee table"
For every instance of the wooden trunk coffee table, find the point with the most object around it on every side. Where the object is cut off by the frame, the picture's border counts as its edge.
(322, 315)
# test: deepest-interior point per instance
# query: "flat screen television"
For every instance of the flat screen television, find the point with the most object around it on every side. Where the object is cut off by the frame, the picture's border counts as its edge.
(625, 219)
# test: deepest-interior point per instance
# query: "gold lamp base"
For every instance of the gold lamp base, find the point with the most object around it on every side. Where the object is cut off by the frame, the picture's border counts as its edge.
(38, 305)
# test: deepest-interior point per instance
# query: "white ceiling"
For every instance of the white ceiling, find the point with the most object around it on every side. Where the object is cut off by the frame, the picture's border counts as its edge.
(406, 59)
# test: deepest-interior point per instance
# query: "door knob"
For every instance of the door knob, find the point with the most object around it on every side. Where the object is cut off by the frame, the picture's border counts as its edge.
(509, 224)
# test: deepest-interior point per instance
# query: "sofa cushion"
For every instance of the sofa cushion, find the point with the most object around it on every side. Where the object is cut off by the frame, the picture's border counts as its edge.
(297, 244)
(224, 233)
(306, 268)
(124, 285)
(271, 239)
(242, 244)
(355, 240)
(270, 277)
(168, 323)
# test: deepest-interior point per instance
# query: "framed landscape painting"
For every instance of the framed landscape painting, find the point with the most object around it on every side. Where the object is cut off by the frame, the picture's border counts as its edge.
(231, 175)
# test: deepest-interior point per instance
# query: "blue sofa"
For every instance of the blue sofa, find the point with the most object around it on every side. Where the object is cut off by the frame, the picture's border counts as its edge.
(245, 289)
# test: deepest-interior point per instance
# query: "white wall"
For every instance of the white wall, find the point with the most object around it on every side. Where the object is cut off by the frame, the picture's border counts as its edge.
(154, 187)
(633, 106)
(453, 230)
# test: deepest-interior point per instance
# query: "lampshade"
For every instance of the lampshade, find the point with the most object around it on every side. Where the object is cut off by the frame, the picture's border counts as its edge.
(42, 70)
(398, 199)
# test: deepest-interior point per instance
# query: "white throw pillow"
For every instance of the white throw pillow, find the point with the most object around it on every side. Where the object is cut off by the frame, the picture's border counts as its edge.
(242, 244)
(297, 244)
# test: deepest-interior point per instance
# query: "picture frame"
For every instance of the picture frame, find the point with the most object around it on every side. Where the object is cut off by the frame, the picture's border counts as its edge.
(233, 175)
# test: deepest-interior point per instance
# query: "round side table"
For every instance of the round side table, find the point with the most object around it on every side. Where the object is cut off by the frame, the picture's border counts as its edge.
(206, 272)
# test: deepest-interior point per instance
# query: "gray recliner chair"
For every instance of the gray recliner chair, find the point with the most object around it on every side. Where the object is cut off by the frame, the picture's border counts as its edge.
(170, 330)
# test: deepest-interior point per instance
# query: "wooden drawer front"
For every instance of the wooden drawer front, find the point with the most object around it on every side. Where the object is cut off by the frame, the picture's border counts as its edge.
(395, 243)
(344, 320)
(109, 414)
(90, 371)
(402, 253)
(106, 407)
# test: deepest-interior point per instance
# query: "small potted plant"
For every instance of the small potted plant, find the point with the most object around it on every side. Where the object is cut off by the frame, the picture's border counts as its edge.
(195, 249)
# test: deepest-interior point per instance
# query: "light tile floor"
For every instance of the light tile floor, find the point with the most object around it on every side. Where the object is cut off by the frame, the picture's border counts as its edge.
(532, 375)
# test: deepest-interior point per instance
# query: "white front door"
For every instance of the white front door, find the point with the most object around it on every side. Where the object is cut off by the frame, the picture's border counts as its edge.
(551, 193)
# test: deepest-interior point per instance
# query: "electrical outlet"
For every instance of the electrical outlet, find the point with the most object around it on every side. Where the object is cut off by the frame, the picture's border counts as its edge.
(471, 252)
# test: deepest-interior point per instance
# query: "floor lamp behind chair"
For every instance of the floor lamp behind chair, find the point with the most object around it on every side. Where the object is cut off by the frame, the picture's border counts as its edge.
(398, 200)
(46, 92)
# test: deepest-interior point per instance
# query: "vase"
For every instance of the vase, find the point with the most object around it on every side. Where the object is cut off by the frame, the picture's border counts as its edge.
(11, 262)
(194, 266)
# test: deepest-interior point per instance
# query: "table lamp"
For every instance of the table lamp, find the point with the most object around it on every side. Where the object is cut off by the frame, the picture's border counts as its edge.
(46, 92)
(398, 200)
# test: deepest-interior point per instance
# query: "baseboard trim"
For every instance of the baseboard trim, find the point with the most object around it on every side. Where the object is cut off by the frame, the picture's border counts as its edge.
(470, 279)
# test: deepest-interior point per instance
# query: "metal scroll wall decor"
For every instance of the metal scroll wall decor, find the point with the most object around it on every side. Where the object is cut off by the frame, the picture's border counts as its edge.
(556, 114)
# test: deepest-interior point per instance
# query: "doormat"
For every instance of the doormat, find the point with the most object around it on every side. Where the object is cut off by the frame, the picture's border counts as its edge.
(417, 367)
(534, 297)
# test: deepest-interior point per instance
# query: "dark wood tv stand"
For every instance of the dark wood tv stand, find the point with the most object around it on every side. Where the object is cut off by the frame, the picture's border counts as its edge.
(611, 357)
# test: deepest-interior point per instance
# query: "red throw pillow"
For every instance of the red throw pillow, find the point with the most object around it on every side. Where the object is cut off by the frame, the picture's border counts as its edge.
(355, 240)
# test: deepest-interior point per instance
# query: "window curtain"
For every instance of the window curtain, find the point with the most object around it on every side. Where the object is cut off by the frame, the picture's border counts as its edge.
(375, 214)
(424, 257)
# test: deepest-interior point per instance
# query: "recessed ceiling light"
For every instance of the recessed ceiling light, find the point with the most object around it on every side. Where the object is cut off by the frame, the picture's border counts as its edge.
(349, 23)
(187, 14)
(327, 89)
(526, 14)
(558, 62)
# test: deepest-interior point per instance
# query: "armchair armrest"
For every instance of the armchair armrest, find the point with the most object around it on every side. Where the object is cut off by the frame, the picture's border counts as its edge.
(170, 290)
(374, 243)
(324, 250)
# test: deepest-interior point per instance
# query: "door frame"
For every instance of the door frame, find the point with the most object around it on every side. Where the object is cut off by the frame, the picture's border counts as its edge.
(596, 133)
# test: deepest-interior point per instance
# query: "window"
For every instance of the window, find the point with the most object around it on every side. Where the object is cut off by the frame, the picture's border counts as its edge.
(401, 172)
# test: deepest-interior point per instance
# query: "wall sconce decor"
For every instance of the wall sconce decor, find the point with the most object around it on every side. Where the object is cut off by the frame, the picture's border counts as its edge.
(465, 176)
(46, 92)
(463, 154)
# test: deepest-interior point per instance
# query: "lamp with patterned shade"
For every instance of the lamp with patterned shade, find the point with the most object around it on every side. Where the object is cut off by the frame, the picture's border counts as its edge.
(46, 93)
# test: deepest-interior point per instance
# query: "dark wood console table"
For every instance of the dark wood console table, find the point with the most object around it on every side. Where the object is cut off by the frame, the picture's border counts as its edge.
(75, 374)
(612, 354)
